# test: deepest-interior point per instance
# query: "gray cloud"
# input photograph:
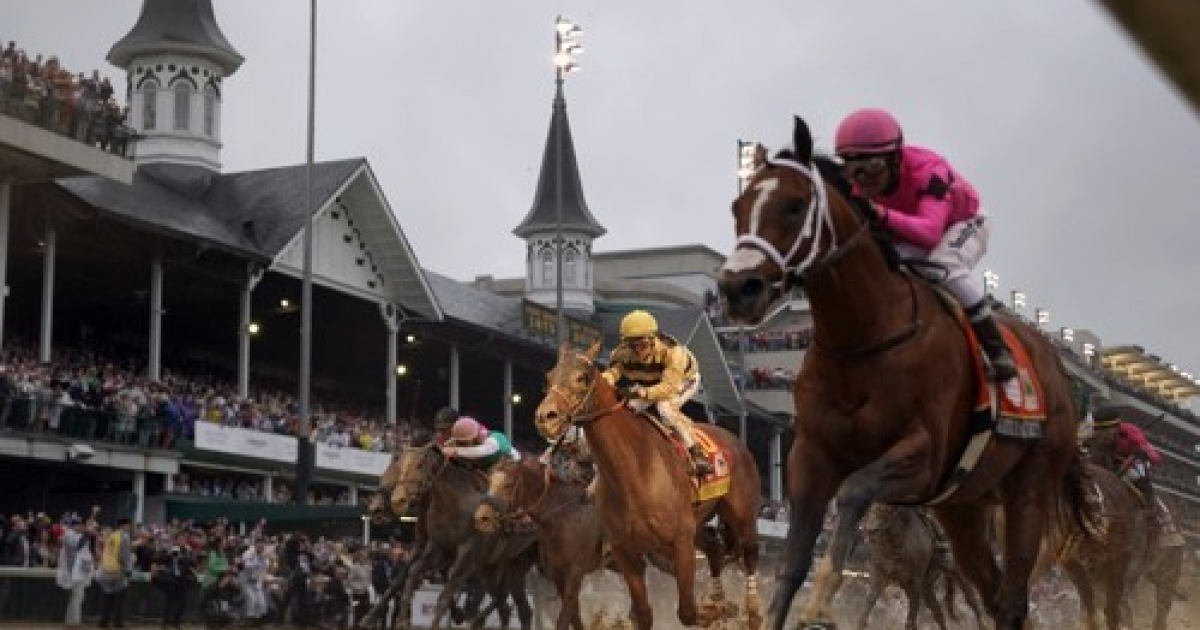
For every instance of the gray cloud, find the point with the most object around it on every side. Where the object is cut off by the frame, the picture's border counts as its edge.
(1085, 156)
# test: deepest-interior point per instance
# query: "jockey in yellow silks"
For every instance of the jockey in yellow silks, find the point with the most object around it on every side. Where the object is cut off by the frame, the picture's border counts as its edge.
(653, 369)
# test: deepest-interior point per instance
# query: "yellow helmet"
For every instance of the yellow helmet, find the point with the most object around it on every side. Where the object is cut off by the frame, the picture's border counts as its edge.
(638, 323)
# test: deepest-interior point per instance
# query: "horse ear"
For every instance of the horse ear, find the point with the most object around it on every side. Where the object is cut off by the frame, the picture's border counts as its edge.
(593, 351)
(802, 141)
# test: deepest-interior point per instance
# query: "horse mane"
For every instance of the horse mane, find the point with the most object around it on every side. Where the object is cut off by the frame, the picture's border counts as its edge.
(831, 171)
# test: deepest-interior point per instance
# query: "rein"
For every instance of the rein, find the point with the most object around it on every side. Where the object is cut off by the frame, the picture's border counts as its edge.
(573, 416)
(817, 222)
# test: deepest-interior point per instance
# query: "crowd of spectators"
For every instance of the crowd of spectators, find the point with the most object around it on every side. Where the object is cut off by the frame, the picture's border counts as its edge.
(88, 395)
(182, 557)
(762, 378)
(768, 341)
(251, 488)
(44, 93)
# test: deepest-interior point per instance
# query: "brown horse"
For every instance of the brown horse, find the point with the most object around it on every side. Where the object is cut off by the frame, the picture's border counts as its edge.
(886, 389)
(451, 494)
(570, 539)
(644, 491)
(904, 548)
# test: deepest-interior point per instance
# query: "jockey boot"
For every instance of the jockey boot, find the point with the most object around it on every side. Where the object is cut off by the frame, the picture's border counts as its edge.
(1000, 359)
(700, 461)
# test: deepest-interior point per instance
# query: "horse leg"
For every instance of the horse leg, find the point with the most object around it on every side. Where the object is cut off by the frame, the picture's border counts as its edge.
(710, 543)
(516, 590)
(1083, 585)
(930, 598)
(402, 591)
(684, 563)
(953, 576)
(633, 569)
(568, 591)
(1025, 502)
(878, 583)
(810, 487)
(459, 572)
(965, 528)
(896, 475)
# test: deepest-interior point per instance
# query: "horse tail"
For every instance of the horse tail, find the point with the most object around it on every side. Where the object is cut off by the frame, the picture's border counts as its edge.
(1075, 518)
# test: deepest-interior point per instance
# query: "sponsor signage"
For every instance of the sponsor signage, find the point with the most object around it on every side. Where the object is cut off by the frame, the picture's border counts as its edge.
(282, 448)
(245, 442)
(352, 460)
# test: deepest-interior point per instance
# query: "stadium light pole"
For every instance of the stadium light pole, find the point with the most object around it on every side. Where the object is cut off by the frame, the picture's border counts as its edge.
(566, 46)
(1018, 301)
(1041, 316)
(304, 454)
(991, 281)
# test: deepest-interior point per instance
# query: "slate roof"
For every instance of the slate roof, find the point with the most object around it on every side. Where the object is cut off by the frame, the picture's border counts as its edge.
(176, 26)
(215, 210)
(466, 303)
(543, 216)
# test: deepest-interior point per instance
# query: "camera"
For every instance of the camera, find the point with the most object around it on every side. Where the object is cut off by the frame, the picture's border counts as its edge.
(79, 452)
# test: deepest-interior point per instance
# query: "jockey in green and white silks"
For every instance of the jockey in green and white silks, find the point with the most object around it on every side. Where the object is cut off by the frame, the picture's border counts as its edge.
(471, 441)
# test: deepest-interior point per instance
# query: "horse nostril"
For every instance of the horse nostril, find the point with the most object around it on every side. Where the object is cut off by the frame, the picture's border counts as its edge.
(750, 289)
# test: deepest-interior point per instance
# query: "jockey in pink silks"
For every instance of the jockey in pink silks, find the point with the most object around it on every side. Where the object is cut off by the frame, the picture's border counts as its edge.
(932, 212)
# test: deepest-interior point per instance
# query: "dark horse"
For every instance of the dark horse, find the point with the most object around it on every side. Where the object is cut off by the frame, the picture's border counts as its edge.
(644, 492)
(885, 391)
(570, 539)
(453, 493)
(903, 548)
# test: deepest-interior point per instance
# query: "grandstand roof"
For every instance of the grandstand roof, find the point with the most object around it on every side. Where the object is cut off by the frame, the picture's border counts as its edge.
(1150, 372)
(260, 214)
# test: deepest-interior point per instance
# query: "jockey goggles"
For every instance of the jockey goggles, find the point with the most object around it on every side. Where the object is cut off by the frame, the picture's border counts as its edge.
(639, 342)
(863, 166)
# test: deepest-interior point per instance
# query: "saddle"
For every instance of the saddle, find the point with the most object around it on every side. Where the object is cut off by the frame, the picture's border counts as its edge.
(711, 486)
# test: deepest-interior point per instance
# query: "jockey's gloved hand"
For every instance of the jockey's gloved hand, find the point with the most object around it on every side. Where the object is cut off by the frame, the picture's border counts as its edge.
(627, 392)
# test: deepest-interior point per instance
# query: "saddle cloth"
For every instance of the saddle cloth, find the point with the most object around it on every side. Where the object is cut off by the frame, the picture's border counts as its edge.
(1022, 412)
(711, 486)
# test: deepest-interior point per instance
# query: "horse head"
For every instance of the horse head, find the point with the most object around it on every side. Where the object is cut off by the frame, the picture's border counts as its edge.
(504, 481)
(787, 221)
(571, 388)
(415, 468)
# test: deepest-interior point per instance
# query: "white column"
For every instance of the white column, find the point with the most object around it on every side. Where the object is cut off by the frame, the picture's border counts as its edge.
(5, 212)
(508, 402)
(392, 323)
(168, 483)
(268, 488)
(253, 275)
(775, 477)
(139, 496)
(49, 253)
(353, 491)
(454, 377)
(156, 313)
(366, 520)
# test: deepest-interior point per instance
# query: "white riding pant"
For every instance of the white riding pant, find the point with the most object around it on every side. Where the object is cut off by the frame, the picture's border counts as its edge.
(671, 408)
(961, 248)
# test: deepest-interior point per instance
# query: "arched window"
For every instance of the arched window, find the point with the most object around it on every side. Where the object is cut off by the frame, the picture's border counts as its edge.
(210, 112)
(183, 106)
(547, 257)
(570, 267)
(149, 106)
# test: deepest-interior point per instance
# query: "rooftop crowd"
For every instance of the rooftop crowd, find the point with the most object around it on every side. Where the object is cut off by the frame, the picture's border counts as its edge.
(43, 93)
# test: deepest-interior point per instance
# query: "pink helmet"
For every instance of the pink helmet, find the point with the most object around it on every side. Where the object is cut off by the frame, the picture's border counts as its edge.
(467, 429)
(868, 131)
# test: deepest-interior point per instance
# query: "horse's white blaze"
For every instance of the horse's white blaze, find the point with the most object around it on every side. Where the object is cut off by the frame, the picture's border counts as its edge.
(744, 259)
(764, 188)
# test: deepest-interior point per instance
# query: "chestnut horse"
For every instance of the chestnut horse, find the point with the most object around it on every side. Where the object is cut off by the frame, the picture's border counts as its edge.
(644, 491)
(885, 391)
(570, 539)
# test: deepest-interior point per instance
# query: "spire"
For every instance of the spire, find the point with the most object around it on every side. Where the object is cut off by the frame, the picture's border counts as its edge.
(543, 216)
(186, 27)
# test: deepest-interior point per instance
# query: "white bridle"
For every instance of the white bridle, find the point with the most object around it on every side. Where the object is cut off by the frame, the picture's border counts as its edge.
(816, 223)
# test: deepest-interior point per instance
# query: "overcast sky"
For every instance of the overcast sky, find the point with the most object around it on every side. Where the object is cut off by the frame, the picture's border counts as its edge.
(1084, 155)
